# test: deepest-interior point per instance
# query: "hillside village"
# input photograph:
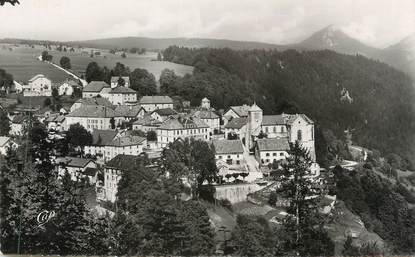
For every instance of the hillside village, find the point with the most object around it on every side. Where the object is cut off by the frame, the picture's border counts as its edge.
(246, 142)
(114, 133)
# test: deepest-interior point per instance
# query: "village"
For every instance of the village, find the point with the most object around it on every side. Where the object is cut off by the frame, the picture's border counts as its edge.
(246, 143)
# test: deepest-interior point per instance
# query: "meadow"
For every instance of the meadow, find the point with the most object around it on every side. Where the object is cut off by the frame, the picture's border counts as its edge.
(22, 62)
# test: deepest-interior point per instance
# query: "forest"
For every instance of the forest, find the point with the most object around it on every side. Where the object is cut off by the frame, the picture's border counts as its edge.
(369, 99)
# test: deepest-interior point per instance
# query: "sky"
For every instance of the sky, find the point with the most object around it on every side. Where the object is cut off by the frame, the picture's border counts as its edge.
(378, 23)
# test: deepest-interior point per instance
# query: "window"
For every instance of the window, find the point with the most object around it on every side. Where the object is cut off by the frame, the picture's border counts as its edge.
(220, 156)
(266, 129)
(238, 162)
(274, 154)
(281, 154)
(312, 133)
(229, 161)
(274, 129)
(299, 135)
(267, 160)
(229, 156)
(282, 129)
(267, 154)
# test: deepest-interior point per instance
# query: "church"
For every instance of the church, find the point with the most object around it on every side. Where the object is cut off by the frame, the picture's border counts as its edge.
(290, 127)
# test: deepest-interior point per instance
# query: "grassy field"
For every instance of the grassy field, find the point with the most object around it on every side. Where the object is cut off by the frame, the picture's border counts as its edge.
(21, 62)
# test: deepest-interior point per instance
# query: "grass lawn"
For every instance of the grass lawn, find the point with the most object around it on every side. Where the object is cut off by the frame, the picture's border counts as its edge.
(21, 62)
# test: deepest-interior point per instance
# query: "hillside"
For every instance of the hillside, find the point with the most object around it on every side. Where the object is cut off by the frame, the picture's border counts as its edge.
(340, 92)
(162, 43)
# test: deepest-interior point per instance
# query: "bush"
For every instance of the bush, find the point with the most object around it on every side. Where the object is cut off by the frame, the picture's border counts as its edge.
(226, 203)
(273, 198)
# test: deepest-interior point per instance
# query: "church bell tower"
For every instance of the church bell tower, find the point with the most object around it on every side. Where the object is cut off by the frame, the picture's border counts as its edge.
(253, 126)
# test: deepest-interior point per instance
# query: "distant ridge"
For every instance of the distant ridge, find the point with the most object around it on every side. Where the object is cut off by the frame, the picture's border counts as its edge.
(400, 55)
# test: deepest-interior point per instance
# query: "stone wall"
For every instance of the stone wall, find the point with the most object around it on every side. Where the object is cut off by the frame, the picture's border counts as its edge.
(236, 193)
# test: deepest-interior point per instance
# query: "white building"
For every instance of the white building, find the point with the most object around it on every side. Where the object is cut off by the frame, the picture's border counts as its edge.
(163, 114)
(55, 122)
(95, 88)
(182, 127)
(236, 127)
(115, 79)
(209, 117)
(108, 144)
(114, 170)
(78, 168)
(94, 117)
(17, 125)
(122, 95)
(130, 112)
(235, 112)
(268, 150)
(67, 87)
(151, 103)
(146, 123)
(39, 85)
(5, 144)
(229, 151)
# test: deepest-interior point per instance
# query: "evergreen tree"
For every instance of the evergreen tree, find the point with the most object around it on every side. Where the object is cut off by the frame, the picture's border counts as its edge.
(303, 224)
(4, 123)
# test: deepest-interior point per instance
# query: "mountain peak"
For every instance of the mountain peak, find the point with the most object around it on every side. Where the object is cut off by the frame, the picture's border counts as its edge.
(333, 38)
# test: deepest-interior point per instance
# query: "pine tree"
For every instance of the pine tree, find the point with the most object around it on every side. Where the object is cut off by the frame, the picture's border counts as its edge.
(304, 223)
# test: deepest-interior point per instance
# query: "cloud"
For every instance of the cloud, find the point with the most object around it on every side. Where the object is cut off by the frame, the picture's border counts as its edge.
(376, 22)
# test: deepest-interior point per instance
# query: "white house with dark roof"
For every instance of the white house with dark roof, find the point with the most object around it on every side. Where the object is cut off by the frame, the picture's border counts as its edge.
(151, 103)
(146, 123)
(122, 95)
(39, 85)
(67, 87)
(114, 169)
(18, 124)
(106, 144)
(268, 150)
(115, 79)
(94, 117)
(162, 114)
(130, 112)
(236, 127)
(209, 117)
(78, 168)
(95, 88)
(230, 151)
(182, 127)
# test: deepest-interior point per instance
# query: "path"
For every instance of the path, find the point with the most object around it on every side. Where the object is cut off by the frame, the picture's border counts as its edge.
(252, 166)
(84, 83)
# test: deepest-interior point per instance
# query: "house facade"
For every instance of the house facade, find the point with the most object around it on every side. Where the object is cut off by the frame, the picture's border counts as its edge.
(95, 88)
(5, 144)
(151, 103)
(39, 85)
(78, 168)
(268, 150)
(122, 95)
(94, 117)
(113, 172)
(182, 127)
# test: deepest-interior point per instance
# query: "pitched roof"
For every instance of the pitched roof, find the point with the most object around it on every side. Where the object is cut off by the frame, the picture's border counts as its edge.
(128, 110)
(4, 140)
(274, 120)
(228, 146)
(293, 117)
(125, 162)
(241, 111)
(165, 111)
(147, 120)
(205, 114)
(236, 123)
(92, 111)
(74, 161)
(127, 141)
(254, 107)
(37, 77)
(103, 137)
(95, 101)
(183, 122)
(90, 171)
(95, 86)
(156, 99)
(114, 79)
(122, 90)
(273, 144)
